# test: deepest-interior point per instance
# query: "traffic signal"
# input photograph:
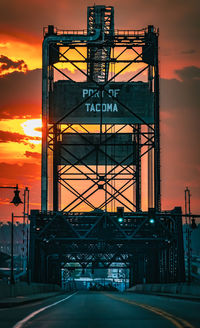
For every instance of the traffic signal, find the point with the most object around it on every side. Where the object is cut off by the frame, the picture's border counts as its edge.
(151, 215)
(120, 214)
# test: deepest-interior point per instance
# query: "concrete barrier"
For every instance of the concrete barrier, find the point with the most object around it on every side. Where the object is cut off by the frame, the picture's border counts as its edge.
(155, 288)
(162, 288)
(23, 289)
(172, 289)
(148, 287)
(179, 288)
(193, 290)
(139, 287)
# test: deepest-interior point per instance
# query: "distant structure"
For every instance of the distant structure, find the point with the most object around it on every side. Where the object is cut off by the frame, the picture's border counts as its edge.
(101, 199)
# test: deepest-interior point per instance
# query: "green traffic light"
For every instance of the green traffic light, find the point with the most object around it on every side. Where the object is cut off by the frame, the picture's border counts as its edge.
(152, 221)
(120, 220)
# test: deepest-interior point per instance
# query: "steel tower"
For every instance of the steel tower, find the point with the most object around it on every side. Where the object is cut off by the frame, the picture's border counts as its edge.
(101, 155)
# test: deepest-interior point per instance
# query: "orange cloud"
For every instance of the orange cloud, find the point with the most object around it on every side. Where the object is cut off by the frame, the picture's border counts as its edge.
(33, 154)
(7, 64)
(6, 136)
(17, 137)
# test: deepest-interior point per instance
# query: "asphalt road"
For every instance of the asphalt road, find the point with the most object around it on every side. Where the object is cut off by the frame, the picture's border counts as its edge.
(104, 310)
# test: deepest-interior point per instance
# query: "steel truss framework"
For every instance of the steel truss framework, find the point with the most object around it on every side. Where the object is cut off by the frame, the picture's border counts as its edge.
(142, 48)
(92, 236)
(96, 240)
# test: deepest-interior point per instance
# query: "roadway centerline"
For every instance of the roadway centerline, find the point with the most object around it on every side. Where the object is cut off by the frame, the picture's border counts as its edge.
(176, 321)
(20, 323)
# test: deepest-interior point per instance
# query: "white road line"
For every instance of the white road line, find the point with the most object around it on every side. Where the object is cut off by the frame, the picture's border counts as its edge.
(20, 323)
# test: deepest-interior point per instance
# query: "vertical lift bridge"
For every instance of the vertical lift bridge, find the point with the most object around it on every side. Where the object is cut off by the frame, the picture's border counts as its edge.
(101, 200)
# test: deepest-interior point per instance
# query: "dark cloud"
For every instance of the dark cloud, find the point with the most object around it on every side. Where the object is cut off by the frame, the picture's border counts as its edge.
(32, 154)
(6, 136)
(181, 95)
(178, 20)
(20, 94)
(6, 64)
(26, 20)
(188, 52)
(181, 102)
(188, 73)
(180, 136)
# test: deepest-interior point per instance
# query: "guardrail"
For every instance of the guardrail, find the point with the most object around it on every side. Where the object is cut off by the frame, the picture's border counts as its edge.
(24, 289)
(179, 288)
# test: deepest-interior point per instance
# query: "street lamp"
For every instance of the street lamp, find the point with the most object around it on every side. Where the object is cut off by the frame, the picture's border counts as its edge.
(16, 199)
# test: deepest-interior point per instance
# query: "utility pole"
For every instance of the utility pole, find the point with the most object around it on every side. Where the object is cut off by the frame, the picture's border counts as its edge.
(188, 232)
(25, 226)
(12, 279)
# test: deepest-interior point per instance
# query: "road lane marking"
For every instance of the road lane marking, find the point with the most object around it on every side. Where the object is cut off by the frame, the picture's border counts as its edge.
(177, 322)
(20, 323)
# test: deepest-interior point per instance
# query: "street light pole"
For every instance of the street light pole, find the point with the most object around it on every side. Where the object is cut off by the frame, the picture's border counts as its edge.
(188, 232)
(26, 235)
(16, 201)
(12, 279)
(27, 256)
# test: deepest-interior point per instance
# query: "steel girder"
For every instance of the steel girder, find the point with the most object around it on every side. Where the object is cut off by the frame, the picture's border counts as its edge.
(97, 239)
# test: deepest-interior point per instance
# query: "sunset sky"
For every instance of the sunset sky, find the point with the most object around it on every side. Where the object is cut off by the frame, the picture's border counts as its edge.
(21, 35)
